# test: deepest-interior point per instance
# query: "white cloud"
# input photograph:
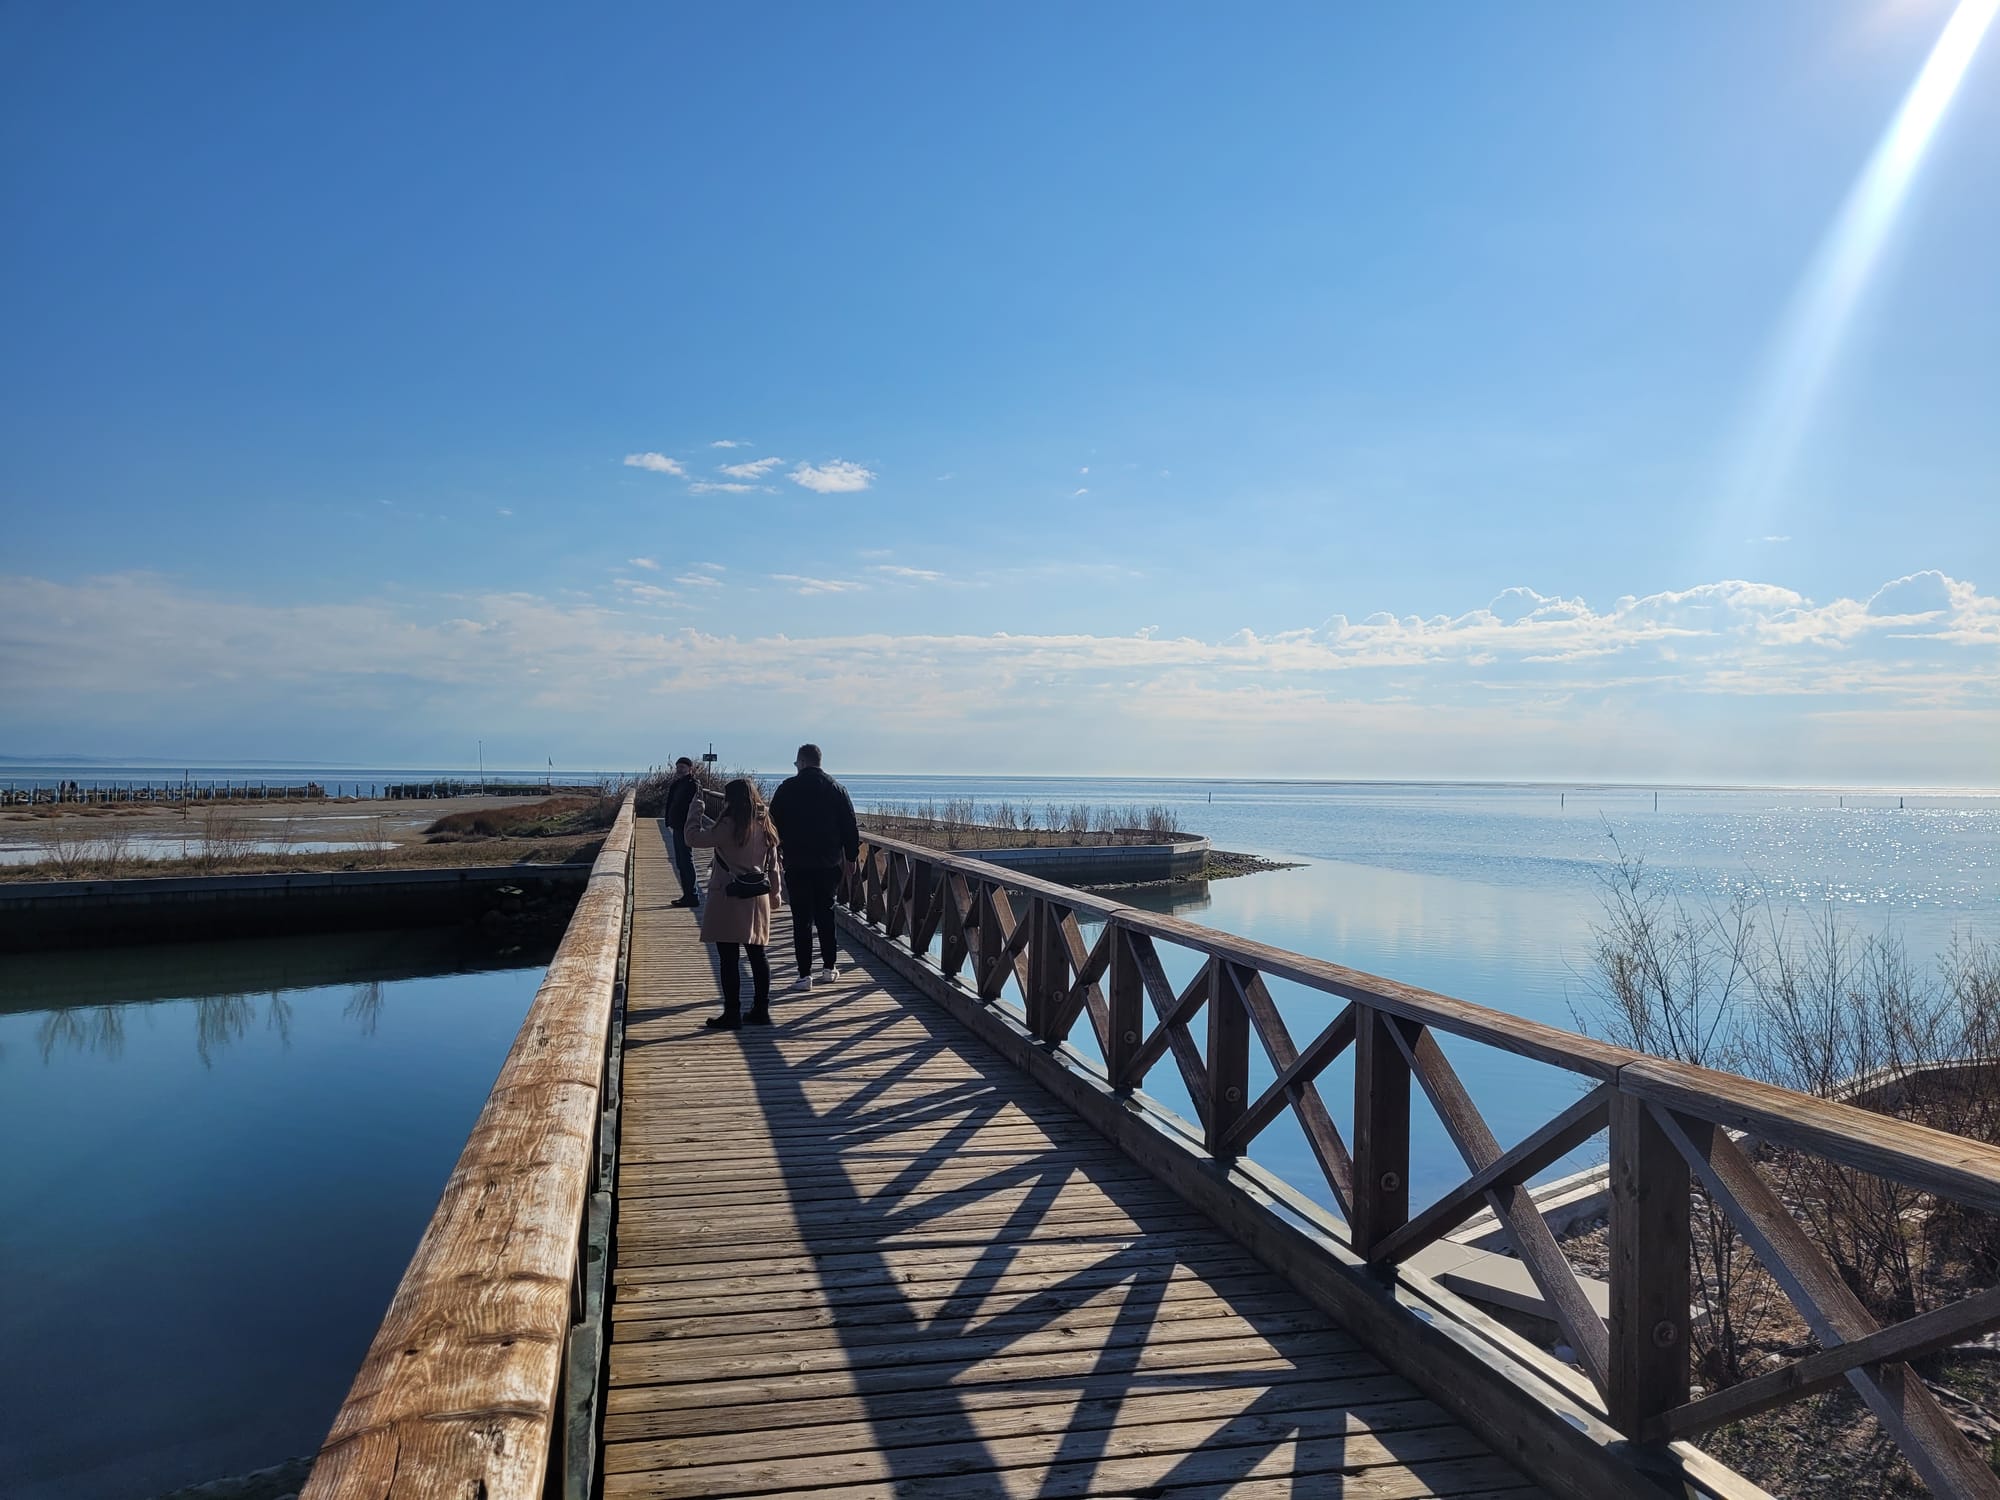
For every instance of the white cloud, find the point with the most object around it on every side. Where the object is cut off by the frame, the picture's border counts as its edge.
(644, 562)
(711, 487)
(1074, 493)
(836, 478)
(727, 443)
(648, 593)
(754, 470)
(1084, 470)
(709, 567)
(699, 580)
(657, 463)
(505, 511)
(1732, 678)
(913, 575)
(803, 585)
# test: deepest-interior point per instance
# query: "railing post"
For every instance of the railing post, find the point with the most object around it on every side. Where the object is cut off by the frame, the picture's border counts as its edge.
(1650, 1290)
(1048, 968)
(1228, 1054)
(1125, 997)
(987, 953)
(1036, 1001)
(920, 903)
(1381, 1130)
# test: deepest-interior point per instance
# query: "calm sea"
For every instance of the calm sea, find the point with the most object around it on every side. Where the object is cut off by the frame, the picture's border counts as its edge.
(218, 1159)
(1489, 893)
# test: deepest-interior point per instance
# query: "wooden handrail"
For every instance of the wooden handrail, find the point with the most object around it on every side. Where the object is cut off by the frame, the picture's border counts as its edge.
(458, 1392)
(1669, 1124)
(1918, 1156)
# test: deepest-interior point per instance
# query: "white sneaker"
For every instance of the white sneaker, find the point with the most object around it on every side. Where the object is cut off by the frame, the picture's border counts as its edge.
(827, 976)
(799, 986)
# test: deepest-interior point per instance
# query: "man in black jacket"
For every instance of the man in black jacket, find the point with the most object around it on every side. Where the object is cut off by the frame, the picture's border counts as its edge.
(818, 839)
(681, 792)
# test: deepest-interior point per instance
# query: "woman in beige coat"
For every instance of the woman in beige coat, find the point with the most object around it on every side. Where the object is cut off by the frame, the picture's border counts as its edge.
(746, 848)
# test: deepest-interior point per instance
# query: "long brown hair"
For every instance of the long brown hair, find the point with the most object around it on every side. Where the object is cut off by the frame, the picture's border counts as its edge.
(743, 809)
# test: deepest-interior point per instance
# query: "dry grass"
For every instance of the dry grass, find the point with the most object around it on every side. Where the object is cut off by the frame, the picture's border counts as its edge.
(552, 817)
(962, 827)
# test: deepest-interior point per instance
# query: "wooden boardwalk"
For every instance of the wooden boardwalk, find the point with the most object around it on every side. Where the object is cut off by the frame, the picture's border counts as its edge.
(858, 1255)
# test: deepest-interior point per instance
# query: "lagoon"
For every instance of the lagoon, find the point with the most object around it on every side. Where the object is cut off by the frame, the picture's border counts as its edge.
(219, 1157)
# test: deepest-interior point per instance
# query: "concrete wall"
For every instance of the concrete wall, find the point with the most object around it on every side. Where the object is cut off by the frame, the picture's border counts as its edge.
(1111, 865)
(75, 913)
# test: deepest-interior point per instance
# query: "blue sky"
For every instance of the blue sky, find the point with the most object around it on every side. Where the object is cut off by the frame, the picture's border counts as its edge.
(1319, 390)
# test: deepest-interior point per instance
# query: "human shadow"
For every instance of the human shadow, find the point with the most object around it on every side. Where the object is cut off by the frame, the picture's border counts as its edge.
(966, 1287)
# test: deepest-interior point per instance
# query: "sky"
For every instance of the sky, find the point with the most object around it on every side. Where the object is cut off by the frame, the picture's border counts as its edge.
(1322, 391)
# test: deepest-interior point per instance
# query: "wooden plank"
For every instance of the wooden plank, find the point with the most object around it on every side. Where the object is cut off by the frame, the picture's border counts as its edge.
(1381, 1201)
(632, 1408)
(1512, 1203)
(1294, 1085)
(992, 1414)
(1089, 966)
(845, 1266)
(1515, 1402)
(1966, 1171)
(1901, 1402)
(1913, 1338)
(1173, 1013)
(1281, 1445)
(457, 1392)
(1549, 1143)
(804, 1401)
(685, 1317)
(1650, 1337)
(1281, 1311)
(1127, 1019)
(1228, 1057)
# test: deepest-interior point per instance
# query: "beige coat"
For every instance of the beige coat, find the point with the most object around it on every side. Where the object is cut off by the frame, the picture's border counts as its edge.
(724, 919)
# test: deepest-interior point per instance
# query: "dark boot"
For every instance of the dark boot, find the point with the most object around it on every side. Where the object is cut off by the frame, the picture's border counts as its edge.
(731, 1018)
(760, 1015)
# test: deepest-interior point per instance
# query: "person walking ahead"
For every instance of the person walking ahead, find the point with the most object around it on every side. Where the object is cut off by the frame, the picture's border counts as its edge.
(681, 792)
(743, 886)
(815, 819)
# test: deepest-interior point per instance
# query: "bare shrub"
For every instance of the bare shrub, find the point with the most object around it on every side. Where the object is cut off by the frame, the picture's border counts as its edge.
(1161, 819)
(1077, 820)
(114, 849)
(225, 835)
(66, 846)
(1669, 978)
(1836, 1015)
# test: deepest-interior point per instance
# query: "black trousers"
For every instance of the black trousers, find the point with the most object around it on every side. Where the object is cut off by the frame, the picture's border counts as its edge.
(727, 955)
(811, 895)
(684, 865)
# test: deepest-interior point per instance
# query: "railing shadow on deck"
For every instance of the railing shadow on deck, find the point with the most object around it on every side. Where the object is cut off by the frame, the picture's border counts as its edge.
(924, 1357)
(937, 916)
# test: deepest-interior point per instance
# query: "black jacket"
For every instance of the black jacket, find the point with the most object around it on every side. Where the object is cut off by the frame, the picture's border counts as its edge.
(815, 819)
(680, 792)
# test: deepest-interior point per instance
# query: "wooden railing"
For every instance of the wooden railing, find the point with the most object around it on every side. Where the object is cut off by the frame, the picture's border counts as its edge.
(1669, 1124)
(460, 1391)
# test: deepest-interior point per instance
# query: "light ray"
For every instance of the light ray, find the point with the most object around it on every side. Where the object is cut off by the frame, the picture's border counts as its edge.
(1824, 306)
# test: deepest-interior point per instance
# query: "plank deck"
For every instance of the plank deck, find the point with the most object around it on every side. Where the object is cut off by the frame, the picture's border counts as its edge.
(857, 1255)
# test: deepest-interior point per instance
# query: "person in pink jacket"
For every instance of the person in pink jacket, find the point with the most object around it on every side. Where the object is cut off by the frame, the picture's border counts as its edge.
(744, 882)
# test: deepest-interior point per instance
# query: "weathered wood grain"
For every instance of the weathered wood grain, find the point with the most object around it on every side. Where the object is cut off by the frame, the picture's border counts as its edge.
(458, 1389)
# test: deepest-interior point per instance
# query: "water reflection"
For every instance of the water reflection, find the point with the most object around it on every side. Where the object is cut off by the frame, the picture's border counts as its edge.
(86, 996)
(365, 1005)
(100, 1028)
(232, 1215)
